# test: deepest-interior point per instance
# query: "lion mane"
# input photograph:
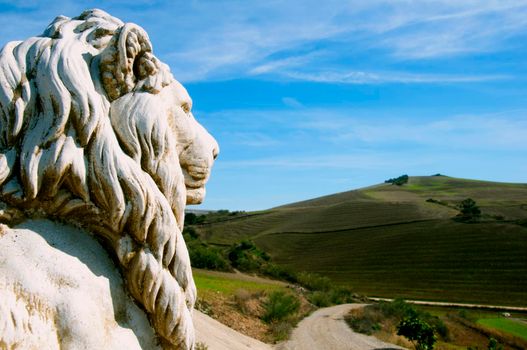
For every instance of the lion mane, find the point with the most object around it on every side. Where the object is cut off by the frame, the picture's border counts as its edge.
(92, 132)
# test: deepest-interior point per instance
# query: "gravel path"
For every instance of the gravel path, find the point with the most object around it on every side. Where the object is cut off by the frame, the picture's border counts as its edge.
(326, 329)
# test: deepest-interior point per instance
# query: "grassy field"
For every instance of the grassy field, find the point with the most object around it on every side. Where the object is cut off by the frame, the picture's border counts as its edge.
(211, 282)
(512, 326)
(389, 241)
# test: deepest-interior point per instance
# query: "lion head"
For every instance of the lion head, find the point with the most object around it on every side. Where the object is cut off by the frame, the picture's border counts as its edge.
(96, 131)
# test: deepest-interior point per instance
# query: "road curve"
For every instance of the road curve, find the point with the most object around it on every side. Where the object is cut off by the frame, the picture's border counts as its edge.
(326, 329)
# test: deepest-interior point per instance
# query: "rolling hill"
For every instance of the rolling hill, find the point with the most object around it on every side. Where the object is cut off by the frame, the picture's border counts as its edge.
(400, 241)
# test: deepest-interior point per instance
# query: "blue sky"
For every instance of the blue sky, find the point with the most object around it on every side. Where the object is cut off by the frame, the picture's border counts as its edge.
(308, 98)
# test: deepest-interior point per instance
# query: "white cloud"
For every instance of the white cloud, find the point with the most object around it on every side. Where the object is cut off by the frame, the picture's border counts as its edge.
(506, 131)
(359, 77)
(233, 39)
(331, 129)
(252, 139)
(353, 160)
(292, 102)
(247, 38)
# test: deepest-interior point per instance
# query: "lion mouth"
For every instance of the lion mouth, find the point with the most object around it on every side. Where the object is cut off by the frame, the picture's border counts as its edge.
(195, 179)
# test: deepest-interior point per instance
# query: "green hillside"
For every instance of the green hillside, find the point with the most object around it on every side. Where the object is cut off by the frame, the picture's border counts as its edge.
(400, 241)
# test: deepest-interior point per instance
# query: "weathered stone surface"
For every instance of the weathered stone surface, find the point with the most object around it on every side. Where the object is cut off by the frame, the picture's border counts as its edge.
(95, 133)
(61, 290)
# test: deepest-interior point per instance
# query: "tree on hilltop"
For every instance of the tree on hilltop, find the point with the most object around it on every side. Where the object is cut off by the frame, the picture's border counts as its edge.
(398, 180)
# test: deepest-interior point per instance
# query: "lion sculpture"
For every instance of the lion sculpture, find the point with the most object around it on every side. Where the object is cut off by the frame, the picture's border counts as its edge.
(96, 133)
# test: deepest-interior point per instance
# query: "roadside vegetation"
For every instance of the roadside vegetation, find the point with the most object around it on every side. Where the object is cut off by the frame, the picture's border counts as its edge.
(246, 257)
(234, 288)
(261, 308)
(437, 327)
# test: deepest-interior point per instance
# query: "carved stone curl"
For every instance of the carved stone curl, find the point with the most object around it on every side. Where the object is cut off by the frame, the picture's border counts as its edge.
(96, 132)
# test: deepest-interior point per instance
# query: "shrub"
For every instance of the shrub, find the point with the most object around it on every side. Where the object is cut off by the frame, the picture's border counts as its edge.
(341, 295)
(417, 331)
(241, 299)
(314, 282)
(394, 312)
(494, 345)
(247, 257)
(319, 299)
(190, 219)
(280, 330)
(204, 306)
(189, 233)
(279, 272)
(468, 210)
(363, 325)
(396, 309)
(279, 306)
(206, 257)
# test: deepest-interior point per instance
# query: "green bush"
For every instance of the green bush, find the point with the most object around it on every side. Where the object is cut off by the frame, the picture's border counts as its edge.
(319, 299)
(494, 345)
(314, 282)
(279, 272)
(207, 257)
(367, 322)
(189, 233)
(468, 210)
(279, 306)
(417, 331)
(396, 309)
(363, 325)
(246, 256)
(341, 295)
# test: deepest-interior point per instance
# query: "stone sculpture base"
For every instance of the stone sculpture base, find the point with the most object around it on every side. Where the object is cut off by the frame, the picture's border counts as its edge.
(63, 291)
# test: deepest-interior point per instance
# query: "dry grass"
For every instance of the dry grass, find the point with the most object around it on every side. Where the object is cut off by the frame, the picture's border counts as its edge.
(237, 300)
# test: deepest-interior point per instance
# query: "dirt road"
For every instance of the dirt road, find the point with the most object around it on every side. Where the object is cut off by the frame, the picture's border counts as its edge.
(326, 329)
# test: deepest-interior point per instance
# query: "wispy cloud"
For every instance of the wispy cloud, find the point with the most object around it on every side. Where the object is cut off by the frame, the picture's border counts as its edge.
(332, 129)
(505, 131)
(454, 28)
(360, 77)
(292, 102)
(252, 139)
(301, 39)
(353, 160)
(247, 44)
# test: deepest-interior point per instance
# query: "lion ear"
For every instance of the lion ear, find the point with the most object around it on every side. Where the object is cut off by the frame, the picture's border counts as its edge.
(127, 61)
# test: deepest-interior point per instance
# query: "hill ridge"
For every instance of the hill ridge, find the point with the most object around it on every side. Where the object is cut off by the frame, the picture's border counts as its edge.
(392, 241)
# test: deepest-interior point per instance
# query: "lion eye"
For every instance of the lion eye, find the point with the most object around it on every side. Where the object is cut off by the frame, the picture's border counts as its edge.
(186, 107)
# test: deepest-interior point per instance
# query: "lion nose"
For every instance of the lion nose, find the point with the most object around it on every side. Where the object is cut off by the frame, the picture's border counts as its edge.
(215, 152)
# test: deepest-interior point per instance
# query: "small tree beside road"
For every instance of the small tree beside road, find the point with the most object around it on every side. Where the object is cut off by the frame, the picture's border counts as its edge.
(418, 332)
